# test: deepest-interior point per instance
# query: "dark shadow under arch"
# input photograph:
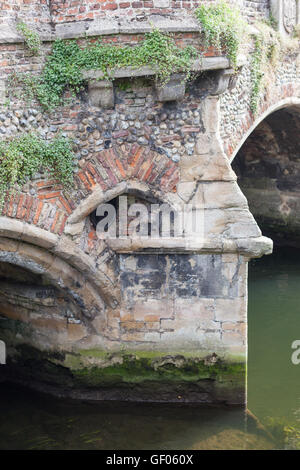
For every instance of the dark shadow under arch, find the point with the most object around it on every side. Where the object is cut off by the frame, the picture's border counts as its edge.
(268, 170)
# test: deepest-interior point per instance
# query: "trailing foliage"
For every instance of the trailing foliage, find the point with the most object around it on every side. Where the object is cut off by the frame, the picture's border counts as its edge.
(22, 157)
(32, 39)
(64, 66)
(223, 28)
(265, 55)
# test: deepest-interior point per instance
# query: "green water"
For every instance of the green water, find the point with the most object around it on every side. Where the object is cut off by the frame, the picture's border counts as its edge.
(30, 420)
(274, 323)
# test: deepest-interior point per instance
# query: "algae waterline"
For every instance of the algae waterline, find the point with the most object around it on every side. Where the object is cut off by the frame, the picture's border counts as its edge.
(137, 376)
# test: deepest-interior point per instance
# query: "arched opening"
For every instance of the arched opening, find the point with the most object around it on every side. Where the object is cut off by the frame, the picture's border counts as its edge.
(268, 170)
(134, 214)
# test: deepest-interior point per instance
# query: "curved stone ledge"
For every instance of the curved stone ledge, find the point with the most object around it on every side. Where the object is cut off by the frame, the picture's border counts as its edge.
(61, 247)
(250, 247)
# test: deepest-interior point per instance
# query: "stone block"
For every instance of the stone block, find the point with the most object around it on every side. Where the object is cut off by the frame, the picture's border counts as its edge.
(233, 338)
(212, 166)
(231, 310)
(161, 3)
(152, 310)
(137, 336)
(168, 324)
(223, 195)
(152, 336)
(203, 144)
(286, 14)
(195, 314)
(14, 312)
(53, 324)
(76, 331)
(173, 90)
(210, 112)
(186, 189)
(99, 323)
(101, 93)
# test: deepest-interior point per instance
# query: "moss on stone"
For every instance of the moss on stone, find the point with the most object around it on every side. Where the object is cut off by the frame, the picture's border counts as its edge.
(141, 375)
(138, 368)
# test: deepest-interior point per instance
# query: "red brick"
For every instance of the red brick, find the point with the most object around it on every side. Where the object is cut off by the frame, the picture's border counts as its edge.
(65, 204)
(109, 6)
(84, 180)
(56, 217)
(20, 207)
(121, 169)
(148, 172)
(62, 226)
(50, 195)
(38, 213)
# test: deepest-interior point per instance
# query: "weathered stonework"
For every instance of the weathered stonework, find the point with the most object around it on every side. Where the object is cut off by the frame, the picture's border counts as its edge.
(134, 318)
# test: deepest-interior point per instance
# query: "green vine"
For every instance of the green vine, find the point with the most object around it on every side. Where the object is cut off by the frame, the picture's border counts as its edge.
(256, 74)
(24, 156)
(264, 57)
(222, 27)
(32, 39)
(64, 66)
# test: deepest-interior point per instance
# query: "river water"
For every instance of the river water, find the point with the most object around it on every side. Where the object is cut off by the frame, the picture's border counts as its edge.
(29, 420)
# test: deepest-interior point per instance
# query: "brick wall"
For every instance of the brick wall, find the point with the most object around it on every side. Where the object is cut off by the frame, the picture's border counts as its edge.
(66, 11)
(30, 11)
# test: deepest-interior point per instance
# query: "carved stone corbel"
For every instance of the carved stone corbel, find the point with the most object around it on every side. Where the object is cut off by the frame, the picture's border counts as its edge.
(223, 80)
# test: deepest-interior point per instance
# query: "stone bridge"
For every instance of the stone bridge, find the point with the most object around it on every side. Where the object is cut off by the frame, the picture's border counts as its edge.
(140, 317)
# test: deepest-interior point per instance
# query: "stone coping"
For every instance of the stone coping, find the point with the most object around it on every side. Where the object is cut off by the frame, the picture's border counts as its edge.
(102, 27)
(207, 63)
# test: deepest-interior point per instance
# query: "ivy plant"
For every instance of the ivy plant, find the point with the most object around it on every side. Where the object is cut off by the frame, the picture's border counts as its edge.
(32, 39)
(266, 52)
(24, 156)
(222, 27)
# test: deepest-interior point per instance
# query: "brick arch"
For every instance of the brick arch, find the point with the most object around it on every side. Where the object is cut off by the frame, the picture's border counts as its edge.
(50, 207)
(287, 95)
(286, 103)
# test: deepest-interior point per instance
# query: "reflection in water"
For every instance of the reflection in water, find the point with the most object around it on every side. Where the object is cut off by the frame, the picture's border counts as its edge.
(30, 420)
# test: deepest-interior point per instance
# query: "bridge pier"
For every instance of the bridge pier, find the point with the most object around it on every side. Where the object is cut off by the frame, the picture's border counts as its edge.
(136, 318)
(131, 317)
